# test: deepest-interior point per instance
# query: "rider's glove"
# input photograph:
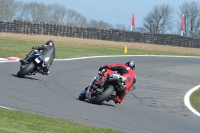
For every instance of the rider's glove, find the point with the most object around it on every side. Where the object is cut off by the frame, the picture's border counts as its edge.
(100, 68)
(101, 71)
(103, 67)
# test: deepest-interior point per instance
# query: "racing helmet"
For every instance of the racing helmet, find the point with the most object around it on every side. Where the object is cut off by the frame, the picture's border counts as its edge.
(130, 64)
(50, 43)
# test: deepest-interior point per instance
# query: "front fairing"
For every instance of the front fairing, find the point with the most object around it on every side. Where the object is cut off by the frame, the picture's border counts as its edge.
(38, 59)
(33, 56)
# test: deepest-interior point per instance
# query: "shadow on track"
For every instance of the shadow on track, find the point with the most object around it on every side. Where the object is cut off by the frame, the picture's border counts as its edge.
(14, 75)
(103, 104)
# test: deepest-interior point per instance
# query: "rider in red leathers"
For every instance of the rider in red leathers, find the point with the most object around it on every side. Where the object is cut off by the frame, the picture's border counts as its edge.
(126, 72)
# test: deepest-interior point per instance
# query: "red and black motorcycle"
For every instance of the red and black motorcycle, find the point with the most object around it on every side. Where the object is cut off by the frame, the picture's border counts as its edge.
(102, 91)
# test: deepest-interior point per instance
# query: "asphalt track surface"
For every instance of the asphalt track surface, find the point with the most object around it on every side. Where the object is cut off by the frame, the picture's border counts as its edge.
(154, 105)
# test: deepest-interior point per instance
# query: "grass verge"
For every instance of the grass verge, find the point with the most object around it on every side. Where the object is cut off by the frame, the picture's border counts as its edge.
(20, 48)
(195, 100)
(21, 122)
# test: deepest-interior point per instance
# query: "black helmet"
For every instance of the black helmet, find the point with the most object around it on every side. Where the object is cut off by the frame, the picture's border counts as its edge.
(130, 64)
(50, 43)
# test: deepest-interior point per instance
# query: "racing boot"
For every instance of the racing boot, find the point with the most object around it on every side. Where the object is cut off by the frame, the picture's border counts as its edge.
(23, 62)
(110, 98)
(116, 99)
(42, 72)
(46, 71)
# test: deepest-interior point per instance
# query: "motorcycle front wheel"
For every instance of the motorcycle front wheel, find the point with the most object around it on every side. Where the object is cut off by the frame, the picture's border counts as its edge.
(82, 96)
(28, 68)
(108, 91)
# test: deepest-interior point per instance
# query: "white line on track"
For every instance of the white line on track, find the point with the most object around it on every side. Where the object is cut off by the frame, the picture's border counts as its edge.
(186, 98)
(5, 107)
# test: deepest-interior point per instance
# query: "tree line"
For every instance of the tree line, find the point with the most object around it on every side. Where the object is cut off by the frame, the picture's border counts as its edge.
(160, 20)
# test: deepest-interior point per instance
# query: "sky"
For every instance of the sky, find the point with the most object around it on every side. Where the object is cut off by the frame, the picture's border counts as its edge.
(113, 11)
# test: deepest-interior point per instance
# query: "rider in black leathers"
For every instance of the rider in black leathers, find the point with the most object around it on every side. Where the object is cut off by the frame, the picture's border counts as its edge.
(48, 50)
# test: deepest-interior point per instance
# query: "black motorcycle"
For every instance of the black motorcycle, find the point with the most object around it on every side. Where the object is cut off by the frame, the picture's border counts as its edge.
(35, 64)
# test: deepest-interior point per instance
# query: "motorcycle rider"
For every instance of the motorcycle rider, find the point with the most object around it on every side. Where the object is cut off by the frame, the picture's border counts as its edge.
(47, 50)
(126, 74)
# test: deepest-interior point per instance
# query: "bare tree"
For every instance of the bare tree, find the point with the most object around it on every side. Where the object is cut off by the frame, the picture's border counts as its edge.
(81, 21)
(56, 14)
(104, 25)
(93, 23)
(100, 24)
(192, 18)
(198, 34)
(159, 20)
(21, 14)
(75, 19)
(121, 27)
(140, 29)
(8, 9)
(35, 12)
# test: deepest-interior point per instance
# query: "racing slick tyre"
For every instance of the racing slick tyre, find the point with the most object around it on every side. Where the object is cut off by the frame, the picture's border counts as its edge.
(103, 96)
(24, 71)
(82, 96)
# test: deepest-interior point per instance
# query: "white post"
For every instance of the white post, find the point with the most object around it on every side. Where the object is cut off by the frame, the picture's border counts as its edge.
(181, 32)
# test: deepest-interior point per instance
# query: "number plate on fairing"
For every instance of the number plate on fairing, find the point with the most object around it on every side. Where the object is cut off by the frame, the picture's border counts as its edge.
(37, 60)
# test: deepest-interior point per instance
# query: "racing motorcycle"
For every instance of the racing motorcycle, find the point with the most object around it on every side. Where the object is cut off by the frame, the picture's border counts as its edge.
(103, 91)
(35, 64)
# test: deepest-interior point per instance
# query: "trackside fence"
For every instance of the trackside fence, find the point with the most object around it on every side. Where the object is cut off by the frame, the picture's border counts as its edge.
(23, 27)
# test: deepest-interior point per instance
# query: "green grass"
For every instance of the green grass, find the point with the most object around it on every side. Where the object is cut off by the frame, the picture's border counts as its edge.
(20, 122)
(20, 48)
(195, 100)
